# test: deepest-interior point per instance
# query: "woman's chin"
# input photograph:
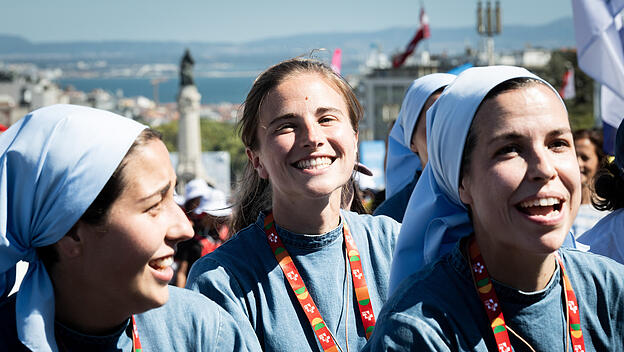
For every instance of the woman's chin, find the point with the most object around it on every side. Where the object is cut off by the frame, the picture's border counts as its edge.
(552, 241)
(153, 298)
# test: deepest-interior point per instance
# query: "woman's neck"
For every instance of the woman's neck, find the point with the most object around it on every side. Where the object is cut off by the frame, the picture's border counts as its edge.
(83, 310)
(586, 195)
(524, 271)
(307, 216)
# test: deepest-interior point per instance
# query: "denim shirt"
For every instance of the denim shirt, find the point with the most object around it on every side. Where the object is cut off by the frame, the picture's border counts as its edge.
(244, 277)
(187, 322)
(606, 238)
(438, 309)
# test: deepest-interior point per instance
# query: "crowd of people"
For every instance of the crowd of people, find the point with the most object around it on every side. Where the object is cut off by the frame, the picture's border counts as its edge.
(474, 249)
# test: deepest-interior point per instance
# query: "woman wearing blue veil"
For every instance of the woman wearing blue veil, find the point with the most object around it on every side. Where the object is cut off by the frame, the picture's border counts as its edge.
(502, 188)
(86, 198)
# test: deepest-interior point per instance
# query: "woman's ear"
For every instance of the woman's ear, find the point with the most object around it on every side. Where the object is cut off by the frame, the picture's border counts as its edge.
(254, 158)
(464, 190)
(70, 246)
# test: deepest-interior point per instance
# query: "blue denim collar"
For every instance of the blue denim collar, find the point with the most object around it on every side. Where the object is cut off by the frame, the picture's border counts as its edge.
(72, 336)
(304, 241)
(504, 292)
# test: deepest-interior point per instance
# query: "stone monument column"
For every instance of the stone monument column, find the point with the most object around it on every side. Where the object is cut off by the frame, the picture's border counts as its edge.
(189, 140)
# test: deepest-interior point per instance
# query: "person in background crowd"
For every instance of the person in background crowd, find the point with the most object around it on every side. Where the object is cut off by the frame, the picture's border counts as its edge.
(87, 200)
(300, 272)
(607, 236)
(210, 214)
(407, 143)
(511, 177)
(588, 146)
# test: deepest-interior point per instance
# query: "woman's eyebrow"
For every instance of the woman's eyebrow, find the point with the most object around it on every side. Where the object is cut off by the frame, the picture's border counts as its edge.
(505, 137)
(162, 192)
(326, 109)
(559, 132)
(280, 118)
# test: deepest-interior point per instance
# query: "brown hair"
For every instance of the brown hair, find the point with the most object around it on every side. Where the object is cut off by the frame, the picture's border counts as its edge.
(253, 193)
(609, 188)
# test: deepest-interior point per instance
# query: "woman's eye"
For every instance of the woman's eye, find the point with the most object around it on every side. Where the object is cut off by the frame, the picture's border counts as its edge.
(326, 119)
(560, 144)
(508, 149)
(154, 209)
(286, 127)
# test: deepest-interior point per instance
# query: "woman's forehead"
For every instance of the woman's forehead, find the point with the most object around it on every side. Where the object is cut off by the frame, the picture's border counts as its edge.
(299, 90)
(524, 109)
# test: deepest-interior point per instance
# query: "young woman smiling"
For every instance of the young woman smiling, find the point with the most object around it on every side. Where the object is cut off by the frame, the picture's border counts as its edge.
(591, 157)
(513, 179)
(301, 272)
(87, 200)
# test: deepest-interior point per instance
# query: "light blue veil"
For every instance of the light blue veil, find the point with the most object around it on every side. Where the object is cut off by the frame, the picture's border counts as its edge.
(436, 218)
(53, 164)
(402, 163)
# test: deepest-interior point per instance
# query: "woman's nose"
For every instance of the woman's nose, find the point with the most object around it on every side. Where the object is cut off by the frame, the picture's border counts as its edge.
(180, 228)
(312, 135)
(542, 166)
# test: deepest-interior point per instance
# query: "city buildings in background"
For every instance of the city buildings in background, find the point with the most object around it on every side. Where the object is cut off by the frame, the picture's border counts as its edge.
(139, 80)
(25, 87)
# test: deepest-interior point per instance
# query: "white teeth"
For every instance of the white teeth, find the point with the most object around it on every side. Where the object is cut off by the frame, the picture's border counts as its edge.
(315, 163)
(162, 263)
(542, 202)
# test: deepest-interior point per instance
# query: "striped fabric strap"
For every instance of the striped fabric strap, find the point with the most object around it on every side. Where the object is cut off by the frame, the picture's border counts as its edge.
(305, 300)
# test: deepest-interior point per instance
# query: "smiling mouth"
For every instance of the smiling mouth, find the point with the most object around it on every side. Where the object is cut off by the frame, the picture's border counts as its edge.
(541, 207)
(314, 163)
(161, 264)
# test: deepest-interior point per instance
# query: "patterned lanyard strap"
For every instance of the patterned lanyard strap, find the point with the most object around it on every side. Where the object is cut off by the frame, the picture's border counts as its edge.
(305, 300)
(136, 342)
(486, 291)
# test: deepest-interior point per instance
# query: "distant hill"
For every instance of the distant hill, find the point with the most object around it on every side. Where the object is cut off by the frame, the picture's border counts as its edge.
(257, 54)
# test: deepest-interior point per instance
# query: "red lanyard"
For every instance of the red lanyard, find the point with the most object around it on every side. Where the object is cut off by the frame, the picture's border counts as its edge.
(492, 307)
(305, 300)
(136, 342)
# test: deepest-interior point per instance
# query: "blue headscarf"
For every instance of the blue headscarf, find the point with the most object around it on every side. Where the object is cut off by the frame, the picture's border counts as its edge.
(54, 163)
(436, 218)
(402, 163)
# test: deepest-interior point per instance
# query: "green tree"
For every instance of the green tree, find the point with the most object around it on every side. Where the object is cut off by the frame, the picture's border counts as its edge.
(581, 107)
(215, 136)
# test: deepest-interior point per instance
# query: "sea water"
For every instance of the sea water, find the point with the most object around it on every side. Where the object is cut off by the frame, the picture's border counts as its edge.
(213, 90)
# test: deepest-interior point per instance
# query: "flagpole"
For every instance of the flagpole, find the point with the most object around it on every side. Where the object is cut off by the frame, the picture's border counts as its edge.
(597, 105)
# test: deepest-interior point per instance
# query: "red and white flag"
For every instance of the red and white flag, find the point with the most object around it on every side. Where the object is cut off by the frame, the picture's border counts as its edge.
(567, 90)
(421, 33)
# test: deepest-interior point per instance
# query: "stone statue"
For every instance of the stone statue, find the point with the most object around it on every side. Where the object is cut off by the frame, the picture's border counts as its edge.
(186, 69)
(189, 139)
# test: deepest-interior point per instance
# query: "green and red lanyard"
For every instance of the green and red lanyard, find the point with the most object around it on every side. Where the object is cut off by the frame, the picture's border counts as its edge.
(494, 311)
(305, 300)
(136, 342)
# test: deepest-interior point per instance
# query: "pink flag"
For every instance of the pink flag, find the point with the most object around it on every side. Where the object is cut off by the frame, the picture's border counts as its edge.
(567, 90)
(337, 61)
(422, 33)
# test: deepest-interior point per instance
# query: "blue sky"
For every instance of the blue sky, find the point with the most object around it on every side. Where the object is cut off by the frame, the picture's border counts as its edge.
(236, 20)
